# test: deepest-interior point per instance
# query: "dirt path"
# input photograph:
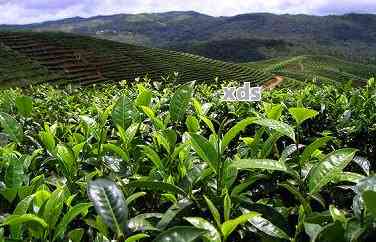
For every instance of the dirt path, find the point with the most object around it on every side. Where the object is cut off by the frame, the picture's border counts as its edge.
(270, 85)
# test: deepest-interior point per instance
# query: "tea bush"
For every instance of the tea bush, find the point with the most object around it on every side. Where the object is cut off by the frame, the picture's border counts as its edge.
(154, 162)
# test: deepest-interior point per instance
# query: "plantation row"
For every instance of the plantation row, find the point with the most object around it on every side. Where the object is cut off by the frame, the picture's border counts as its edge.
(85, 60)
(151, 161)
(16, 67)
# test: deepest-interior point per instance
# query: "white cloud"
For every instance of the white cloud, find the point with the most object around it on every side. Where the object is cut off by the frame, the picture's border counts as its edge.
(28, 11)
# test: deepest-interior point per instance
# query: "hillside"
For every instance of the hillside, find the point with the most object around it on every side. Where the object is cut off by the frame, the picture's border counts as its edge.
(351, 36)
(30, 57)
(322, 69)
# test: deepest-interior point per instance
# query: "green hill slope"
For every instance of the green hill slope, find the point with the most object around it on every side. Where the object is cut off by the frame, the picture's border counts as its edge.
(67, 58)
(300, 69)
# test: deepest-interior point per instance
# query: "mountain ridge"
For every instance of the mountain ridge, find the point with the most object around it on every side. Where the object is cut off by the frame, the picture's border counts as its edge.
(192, 12)
(350, 36)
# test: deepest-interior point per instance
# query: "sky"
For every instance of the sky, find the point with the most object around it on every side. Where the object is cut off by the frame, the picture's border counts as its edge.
(32, 11)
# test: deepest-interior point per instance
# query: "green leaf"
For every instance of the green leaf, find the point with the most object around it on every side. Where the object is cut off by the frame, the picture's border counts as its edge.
(312, 230)
(369, 198)
(136, 237)
(212, 235)
(268, 228)
(11, 127)
(157, 186)
(214, 211)
(230, 175)
(131, 132)
(192, 124)
(248, 140)
(53, 207)
(268, 145)
(144, 96)
(337, 215)
(354, 230)
(163, 140)
(24, 105)
(180, 101)
(259, 164)
(363, 163)
(109, 203)
(179, 149)
(134, 197)
(73, 212)
(348, 177)
(308, 150)
(171, 213)
(208, 123)
(158, 123)
(21, 209)
(289, 150)
(125, 112)
(153, 156)
(171, 136)
(2, 239)
(98, 224)
(238, 189)
(76, 235)
(371, 82)
(198, 107)
(117, 150)
(227, 207)
(278, 126)
(229, 226)
(274, 111)
(331, 232)
(366, 184)
(234, 131)
(328, 168)
(48, 139)
(180, 234)
(302, 114)
(271, 214)
(24, 218)
(141, 223)
(205, 150)
(9, 194)
(67, 160)
(14, 174)
(40, 198)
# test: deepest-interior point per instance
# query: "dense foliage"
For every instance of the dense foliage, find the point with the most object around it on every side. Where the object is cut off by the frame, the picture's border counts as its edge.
(155, 162)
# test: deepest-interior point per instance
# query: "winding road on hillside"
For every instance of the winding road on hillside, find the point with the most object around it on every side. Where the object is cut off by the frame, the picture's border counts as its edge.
(276, 81)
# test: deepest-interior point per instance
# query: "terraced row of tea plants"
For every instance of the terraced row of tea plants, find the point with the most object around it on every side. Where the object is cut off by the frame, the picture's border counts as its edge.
(84, 60)
(18, 69)
(153, 161)
(322, 69)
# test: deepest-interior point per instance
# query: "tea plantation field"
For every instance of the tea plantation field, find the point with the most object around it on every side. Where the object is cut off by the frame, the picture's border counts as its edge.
(66, 58)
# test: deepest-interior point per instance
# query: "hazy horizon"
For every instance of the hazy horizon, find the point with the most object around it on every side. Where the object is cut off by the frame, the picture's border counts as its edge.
(107, 15)
(36, 11)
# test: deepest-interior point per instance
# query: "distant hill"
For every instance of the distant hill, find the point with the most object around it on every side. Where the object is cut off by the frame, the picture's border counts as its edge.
(320, 69)
(59, 58)
(351, 37)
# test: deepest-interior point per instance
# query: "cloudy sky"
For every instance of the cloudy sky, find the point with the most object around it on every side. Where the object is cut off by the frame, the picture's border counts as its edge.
(30, 11)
